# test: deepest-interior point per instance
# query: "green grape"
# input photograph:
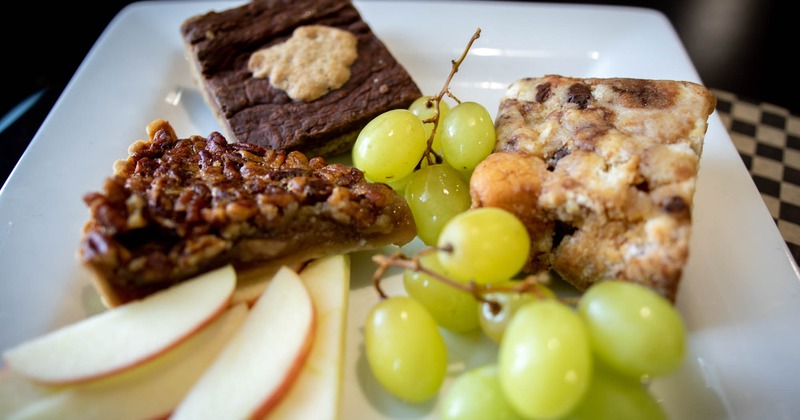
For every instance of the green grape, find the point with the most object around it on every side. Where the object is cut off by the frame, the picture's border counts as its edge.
(400, 185)
(476, 395)
(468, 135)
(633, 329)
(545, 359)
(425, 110)
(465, 173)
(435, 194)
(612, 396)
(389, 147)
(489, 245)
(404, 349)
(453, 309)
(500, 307)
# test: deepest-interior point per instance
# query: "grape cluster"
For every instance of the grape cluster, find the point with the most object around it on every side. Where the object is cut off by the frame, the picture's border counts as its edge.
(584, 358)
(556, 358)
(427, 152)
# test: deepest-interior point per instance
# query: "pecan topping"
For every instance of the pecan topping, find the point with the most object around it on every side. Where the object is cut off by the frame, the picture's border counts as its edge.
(178, 207)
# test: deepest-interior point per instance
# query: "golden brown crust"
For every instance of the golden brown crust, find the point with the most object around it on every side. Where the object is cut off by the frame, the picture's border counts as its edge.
(603, 173)
(514, 182)
(177, 207)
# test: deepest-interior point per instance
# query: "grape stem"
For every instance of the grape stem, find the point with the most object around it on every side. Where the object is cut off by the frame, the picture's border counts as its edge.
(430, 155)
(398, 259)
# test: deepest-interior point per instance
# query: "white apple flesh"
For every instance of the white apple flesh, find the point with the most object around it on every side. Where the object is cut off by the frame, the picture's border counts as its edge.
(125, 336)
(316, 393)
(260, 363)
(250, 283)
(148, 391)
(17, 391)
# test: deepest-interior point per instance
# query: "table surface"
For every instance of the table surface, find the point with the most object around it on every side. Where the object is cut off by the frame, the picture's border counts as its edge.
(767, 137)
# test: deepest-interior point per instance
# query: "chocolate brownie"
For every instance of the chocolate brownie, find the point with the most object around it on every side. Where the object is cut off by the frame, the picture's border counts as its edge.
(252, 110)
(602, 172)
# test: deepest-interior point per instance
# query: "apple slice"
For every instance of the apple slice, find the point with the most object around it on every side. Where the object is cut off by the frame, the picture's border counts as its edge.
(250, 283)
(16, 391)
(259, 364)
(124, 336)
(148, 391)
(316, 393)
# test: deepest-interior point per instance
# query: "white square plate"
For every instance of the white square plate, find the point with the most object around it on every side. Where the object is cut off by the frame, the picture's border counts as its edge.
(740, 294)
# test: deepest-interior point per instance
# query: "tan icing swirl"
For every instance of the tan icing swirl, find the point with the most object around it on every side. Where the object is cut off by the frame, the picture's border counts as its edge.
(313, 62)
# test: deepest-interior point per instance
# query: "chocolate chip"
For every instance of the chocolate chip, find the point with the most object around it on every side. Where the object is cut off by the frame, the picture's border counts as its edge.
(643, 186)
(561, 231)
(553, 161)
(542, 92)
(579, 94)
(675, 205)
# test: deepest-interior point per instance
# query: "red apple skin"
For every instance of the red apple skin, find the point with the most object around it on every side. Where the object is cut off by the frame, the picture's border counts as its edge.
(257, 404)
(149, 391)
(297, 366)
(223, 305)
(317, 391)
(153, 356)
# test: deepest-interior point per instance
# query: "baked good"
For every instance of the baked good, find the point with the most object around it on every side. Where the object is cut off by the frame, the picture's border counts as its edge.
(220, 46)
(177, 207)
(602, 172)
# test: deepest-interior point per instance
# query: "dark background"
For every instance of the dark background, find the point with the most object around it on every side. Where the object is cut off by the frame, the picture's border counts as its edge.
(746, 47)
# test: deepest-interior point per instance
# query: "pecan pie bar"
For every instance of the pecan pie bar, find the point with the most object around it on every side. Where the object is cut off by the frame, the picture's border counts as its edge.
(177, 207)
(602, 172)
(240, 60)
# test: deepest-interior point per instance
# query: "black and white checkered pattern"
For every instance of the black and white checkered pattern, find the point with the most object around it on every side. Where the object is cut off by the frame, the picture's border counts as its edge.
(768, 140)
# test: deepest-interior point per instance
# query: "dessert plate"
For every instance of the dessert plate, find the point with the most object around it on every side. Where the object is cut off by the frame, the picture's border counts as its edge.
(740, 294)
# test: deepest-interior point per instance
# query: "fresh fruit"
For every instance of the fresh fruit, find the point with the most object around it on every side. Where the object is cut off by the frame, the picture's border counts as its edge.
(488, 245)
(499, 307)
(316, 392)
(612, 396)
(250, 284)
(548, 348)
(545, 360)
(425, 108)
(399, 185)
(404, 348)
(453, 309)
(17, 391)
(468, 135)
(389, 147)
(153, 389)
(125, 336)
(436, 193)
(263, 359)
(476, 395)
(148, 391)
(633, 329)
